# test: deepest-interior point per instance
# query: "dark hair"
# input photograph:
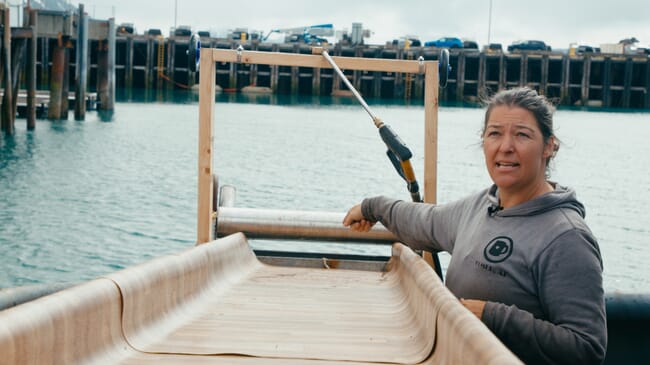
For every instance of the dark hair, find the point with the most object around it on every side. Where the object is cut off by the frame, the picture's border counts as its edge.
(529, 99)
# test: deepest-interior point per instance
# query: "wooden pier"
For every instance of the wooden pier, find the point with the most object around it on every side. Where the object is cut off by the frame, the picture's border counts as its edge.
(594, 80)
(48, 59)
(68, 53)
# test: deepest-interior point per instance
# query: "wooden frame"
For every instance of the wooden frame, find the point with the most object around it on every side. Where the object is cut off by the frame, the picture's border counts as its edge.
(207, 82)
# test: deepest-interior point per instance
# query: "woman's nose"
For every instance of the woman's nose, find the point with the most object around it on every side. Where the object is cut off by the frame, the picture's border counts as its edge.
(507, 144)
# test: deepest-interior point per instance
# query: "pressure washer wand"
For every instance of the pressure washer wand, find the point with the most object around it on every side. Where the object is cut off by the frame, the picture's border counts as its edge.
(398, 153)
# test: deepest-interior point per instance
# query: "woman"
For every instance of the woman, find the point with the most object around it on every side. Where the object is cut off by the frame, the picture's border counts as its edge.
(522, 258)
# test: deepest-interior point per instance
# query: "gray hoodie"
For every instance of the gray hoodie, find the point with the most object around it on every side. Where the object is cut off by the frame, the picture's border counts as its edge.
(537, 265)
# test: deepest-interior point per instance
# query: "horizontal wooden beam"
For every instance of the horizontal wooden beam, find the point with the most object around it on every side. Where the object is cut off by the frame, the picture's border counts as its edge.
(317, 61)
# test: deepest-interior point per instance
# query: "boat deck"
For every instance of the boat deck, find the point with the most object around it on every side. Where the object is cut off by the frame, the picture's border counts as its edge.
(219, 304)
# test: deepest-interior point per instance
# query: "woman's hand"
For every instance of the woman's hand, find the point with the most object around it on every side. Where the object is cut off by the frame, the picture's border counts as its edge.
(356, 221)
(474, 305)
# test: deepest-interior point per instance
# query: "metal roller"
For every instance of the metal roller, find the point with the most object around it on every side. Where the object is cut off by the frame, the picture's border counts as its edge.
(289, 224)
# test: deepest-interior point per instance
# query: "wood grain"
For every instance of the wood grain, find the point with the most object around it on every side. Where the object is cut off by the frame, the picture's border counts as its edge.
(218, 304)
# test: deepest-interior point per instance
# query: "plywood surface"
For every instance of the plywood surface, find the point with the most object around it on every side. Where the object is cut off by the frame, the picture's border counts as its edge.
(266, 311)
(217, 304)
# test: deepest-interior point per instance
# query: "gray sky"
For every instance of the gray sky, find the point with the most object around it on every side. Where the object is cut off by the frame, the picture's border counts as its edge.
(558, 22)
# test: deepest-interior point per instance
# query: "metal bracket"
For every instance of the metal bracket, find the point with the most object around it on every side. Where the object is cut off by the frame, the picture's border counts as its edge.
(240, 49)
(421, 64)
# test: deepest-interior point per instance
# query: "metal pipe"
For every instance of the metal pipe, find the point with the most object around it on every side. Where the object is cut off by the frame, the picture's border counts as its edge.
(354, 91)
(289, 224)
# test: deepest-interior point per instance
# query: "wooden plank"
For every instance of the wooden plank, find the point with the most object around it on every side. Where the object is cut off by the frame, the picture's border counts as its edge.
(316, 61)
(431, 94)
(431, 91)
(207, 87)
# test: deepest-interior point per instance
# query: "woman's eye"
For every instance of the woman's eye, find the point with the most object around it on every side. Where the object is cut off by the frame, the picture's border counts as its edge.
(521, 134)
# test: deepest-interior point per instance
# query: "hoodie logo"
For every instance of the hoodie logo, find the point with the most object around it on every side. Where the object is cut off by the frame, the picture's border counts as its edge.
(498, 250)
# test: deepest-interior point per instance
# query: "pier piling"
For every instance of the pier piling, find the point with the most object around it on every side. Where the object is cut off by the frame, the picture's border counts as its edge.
(7, 99)
(56, 80)
(81, 69)
(31, 70)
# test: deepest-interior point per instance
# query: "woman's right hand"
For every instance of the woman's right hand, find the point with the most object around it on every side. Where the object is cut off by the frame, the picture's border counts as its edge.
(356, 221)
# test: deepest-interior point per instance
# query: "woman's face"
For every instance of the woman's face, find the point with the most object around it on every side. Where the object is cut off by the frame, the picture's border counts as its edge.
(515, 153)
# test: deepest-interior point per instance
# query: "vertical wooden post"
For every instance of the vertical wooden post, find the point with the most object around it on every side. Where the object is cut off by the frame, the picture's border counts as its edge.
(106, 73)
(128, 74)
(81, 71)
(647, 84)
(7, 100)
(315, 87)
(482, 63)
(523, 70)
(207, 82)
(191, 75)
(627, 82)
(503, 71)
(294, 72)
(44, 76)
(586, 75)
(234, 68)
(431, 81)
(431, 89)
(460, 77)
(31, 70)
(543, 82)
(65, 85)
(148, 59)
(56, 80)
(171, 62)
(607, 80)
(566, 78)
(275, 71)
(18, 54)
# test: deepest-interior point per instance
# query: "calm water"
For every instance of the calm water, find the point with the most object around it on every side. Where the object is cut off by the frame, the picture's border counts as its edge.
(81, 199)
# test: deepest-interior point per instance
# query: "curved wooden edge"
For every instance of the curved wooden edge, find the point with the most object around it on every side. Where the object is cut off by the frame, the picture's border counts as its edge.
(161, 294)
(460, 337)
(75, 325)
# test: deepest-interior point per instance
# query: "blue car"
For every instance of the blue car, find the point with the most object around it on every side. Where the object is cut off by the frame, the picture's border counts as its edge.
(445, 42)
(529, 45)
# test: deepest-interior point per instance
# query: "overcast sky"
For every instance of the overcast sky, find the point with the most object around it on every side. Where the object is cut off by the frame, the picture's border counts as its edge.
(558, 22)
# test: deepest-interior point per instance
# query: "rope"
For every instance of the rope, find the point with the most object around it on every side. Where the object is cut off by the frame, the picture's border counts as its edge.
(161, 64)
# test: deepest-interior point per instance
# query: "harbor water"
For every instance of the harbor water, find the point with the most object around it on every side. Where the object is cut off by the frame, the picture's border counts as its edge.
(79, 199)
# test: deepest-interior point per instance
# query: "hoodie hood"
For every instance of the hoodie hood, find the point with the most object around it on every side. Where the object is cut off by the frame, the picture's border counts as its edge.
(561, 197)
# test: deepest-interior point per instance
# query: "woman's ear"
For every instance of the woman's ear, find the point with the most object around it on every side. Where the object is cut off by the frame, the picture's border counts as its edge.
(550, 148)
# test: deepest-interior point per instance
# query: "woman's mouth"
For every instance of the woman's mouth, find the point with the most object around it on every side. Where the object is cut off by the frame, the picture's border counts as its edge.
(507, 164)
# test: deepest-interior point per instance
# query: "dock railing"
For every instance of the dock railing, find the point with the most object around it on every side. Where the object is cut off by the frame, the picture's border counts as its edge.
(207, 81)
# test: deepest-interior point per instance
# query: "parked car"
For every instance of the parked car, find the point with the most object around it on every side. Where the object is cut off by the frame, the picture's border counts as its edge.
(153, 32)
(125, 28)
(445, 42)
(493, 48)
(529, 45)
(585, 49)
(467, 44)
(183, 31)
